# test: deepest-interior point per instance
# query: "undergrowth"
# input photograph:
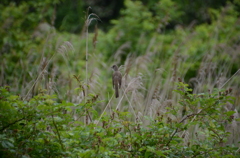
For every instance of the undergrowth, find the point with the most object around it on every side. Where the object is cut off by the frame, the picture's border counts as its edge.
(43, 127)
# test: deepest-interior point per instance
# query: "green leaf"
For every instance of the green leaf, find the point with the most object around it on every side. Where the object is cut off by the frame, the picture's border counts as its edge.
(230, 113)
(160, 153)
(7, 144)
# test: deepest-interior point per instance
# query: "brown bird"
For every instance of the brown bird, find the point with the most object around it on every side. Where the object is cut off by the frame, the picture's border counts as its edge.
(116, 79)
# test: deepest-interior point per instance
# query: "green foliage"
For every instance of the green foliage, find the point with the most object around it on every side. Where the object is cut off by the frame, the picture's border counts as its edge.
(19, 21)
(23, 30)
(49, 117)
(42, 127)
(70, 16)
(138, 21)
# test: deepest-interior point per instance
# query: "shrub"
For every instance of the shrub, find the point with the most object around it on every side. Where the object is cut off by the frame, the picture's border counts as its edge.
(42, 127)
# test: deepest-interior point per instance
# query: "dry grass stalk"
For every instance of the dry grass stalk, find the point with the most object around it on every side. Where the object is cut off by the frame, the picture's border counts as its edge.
(44, 64)
(120, 51)
(91, 17)
(94, 41)
(230, 78)
(128, 65)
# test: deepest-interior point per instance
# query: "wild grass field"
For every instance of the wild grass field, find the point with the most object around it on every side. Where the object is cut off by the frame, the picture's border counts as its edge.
(179, 95)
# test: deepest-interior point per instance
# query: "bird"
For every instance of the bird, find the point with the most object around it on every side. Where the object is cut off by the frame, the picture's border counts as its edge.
(116, 79)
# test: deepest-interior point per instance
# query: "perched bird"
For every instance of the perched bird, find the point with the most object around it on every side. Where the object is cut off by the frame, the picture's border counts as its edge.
(116, 79)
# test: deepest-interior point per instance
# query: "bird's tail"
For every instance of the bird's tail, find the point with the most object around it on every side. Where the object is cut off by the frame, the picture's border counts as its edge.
(116, 90)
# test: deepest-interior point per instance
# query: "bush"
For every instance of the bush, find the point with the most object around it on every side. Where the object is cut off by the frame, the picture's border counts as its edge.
(42, 127)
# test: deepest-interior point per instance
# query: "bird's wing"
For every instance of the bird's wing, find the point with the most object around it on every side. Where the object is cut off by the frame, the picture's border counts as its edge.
(120, 80)
(113, 80)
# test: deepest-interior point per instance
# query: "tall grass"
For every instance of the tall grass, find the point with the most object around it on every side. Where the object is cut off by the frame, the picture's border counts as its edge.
(148, 81)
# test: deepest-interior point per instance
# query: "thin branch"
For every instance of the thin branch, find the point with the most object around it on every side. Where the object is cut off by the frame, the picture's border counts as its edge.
(188, 116)
(58, 134)
(10, 124)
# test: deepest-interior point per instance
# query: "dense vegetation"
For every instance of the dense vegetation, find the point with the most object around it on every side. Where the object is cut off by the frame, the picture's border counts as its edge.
(180, 91)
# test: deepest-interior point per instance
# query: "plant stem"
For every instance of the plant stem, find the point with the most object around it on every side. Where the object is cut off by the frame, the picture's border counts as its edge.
(86, 60)
(58, 134)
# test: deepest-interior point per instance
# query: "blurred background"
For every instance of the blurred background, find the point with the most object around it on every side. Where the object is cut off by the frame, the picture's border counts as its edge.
(44, 45)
